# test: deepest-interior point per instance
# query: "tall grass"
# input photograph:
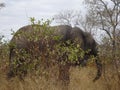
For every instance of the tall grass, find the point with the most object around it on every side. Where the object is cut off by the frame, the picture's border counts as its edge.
(80, 79)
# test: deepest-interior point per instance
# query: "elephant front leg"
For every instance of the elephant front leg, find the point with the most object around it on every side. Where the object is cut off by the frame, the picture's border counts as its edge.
(64, 76)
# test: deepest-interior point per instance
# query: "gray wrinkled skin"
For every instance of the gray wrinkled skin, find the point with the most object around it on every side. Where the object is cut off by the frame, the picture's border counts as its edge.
(75, 35)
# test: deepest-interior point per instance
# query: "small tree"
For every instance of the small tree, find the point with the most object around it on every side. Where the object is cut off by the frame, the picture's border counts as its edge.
(107, 19)
(76, 18)
(107, 16)
(67, 17)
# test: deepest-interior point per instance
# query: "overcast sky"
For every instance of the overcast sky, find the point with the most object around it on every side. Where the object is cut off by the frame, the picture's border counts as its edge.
(17, 12)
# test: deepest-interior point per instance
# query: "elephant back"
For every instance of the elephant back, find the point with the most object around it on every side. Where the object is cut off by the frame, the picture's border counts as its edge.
(63, 31)
(77, 37)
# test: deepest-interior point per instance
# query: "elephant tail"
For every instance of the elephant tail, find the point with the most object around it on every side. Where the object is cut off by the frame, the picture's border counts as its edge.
(99, 69)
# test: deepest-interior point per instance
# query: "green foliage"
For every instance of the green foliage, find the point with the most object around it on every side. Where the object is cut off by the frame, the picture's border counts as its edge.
(28, 59)
(1, 38)
(53, 49)
(4, 48)
(68, 52)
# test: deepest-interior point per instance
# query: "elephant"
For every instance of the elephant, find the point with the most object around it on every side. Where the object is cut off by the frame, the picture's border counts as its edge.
(87, 42)
(31, 40)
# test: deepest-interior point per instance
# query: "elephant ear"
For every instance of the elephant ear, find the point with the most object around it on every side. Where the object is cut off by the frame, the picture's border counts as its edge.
(90, 43)
(88, 40)
(63, 31)
(77, 36)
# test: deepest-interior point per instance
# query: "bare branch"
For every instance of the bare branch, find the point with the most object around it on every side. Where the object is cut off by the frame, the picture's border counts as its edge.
(2, 5)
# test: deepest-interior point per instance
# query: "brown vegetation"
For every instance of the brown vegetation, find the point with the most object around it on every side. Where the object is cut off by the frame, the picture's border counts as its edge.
(80, 79)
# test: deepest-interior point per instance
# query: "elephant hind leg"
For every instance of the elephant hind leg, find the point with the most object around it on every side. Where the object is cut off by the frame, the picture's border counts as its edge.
(64, 76)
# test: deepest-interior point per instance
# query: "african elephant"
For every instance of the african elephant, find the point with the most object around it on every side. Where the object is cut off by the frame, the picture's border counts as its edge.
(87, 43)
(31, 40)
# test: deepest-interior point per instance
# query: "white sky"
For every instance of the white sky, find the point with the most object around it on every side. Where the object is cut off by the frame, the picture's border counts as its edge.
(17, 12)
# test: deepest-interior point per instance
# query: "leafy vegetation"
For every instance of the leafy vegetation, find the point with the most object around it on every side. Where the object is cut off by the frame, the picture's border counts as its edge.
(72, 51)
(99, 17)
(42, 45)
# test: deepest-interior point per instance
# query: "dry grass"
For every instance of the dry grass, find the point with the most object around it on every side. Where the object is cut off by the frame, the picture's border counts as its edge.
(80, 79)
